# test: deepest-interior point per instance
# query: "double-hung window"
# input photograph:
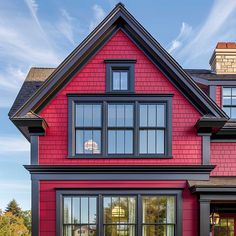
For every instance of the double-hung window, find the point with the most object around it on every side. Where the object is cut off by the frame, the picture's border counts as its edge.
(229, 101)
(132, 127)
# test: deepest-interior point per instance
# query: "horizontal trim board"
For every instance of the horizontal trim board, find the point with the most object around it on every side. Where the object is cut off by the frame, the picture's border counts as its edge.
(120, 172)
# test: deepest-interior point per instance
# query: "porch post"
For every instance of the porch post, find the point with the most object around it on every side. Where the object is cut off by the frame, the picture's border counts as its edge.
(204, 217)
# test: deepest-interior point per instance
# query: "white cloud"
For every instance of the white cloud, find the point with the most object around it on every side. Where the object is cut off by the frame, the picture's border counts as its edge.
(196, 48)
(13, 144)
(65, 26)
(184, 33)
(98, 16)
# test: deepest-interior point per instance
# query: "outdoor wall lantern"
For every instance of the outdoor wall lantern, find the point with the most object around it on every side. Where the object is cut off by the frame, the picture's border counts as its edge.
(214, 218)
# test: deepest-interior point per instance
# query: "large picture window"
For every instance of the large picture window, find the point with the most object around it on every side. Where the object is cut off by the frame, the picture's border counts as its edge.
(129, 127)
(120, 214)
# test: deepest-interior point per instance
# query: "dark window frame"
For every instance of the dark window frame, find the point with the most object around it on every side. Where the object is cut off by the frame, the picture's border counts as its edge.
(138, 193)
(222, 99)
(136, 100)
(113, 65)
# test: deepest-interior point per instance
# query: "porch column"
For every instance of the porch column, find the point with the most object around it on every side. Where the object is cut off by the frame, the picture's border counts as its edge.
(204, 217)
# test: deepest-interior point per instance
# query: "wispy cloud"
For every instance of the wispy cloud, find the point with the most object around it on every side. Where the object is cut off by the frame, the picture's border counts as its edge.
(98, 16)
(199, 44)
(13, 144)
(185, 32)
(65, 26)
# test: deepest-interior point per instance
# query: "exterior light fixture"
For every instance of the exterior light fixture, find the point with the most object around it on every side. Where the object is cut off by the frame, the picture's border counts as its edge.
(214, 218)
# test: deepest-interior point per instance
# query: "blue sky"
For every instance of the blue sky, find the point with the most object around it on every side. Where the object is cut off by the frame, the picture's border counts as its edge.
(42, 33)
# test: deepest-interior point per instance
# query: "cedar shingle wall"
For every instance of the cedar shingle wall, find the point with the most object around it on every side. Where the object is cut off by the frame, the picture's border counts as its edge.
(91, 79)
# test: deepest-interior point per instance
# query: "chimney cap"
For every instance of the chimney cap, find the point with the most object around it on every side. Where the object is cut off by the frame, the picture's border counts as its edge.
(226, 45)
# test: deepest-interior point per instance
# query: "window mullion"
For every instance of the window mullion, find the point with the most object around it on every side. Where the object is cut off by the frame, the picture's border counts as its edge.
(139, 216)
(104, 139)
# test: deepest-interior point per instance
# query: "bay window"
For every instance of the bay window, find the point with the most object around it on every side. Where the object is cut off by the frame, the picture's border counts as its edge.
(132, 127)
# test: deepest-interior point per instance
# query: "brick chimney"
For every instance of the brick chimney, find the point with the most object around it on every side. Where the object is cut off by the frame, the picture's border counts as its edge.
(223, 60)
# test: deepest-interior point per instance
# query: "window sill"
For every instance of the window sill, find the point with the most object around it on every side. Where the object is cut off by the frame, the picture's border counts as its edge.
(119, 157)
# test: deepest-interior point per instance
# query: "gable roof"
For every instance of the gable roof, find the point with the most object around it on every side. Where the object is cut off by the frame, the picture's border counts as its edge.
(118, 18)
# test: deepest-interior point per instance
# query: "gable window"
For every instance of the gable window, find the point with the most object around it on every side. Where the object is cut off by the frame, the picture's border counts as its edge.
(88, 129)
(120, 76)
(120, 128)
(132, 126)
(152, 129)
(229, 101)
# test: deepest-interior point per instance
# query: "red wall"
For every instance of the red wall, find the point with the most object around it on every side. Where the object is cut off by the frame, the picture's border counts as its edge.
(148, 79)
(223, 155)
(218, 95)
(48, 200)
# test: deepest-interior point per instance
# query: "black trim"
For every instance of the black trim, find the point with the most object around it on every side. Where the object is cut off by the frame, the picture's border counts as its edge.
(35, 201)
(115, 64)
(116, 98)
(196, 172)
(204, 217)
(121, 18)
(34, 156)
(134, 192)
(206, 149)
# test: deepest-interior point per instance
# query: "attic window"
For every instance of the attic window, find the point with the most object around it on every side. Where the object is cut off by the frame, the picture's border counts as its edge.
(120, 76)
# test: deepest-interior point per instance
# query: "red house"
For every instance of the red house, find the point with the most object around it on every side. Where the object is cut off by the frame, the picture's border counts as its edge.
(125, 142)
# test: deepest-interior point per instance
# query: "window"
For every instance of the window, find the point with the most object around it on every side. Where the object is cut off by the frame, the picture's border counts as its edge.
(229, 101)
(132, 127)
(80, 216)
(88, 128)
(120, 76)
(120, 128)
(152, 128)
(120, 213)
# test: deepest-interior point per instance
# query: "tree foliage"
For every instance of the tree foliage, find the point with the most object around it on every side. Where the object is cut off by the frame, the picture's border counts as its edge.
(14, 208)
(14, 221)
(12, 225)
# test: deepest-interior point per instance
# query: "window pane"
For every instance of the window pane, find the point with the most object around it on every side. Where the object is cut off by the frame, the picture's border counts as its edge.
(88, 115)
(76, 210)
(111, 141)
(234, 101)
(150, 209)
(227, 110)
(92, 210)
(170, 209)
(233, 91)
(143, 115)
(88, 141)
(96, 142)
(107, 206)
(233, 113)
(120, 115)
(226, 100)
(79, 141)
(160, 141)
(128, 115)
(116, 80)
(143, 141)
(131, 209)
(152, 115)
(67, 210)
(79, 115)
(111, 115)
(120, 141)
(97, 116)
(67, 230)
(124, 80)
(226, 91)
(128, 141)
(84, 210)
(151, 141)
(160, 115)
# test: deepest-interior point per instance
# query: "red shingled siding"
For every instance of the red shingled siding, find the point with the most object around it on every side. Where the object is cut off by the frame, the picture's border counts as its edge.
(48, 200)
(148, 79)
(223, 155)
(218, 95)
